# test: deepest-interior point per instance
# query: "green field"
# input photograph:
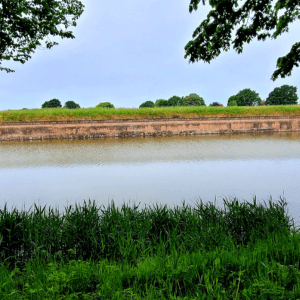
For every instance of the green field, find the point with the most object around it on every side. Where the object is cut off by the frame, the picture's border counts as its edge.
(53, 114)
(243, 250)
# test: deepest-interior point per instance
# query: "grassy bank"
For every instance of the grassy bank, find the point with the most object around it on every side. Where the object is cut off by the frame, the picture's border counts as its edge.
(241, 251)
(51, 114)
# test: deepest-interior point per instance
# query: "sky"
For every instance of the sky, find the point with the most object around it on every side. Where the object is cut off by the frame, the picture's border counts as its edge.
(128, 52)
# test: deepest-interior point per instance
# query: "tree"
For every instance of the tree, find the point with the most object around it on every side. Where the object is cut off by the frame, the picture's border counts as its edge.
(216, 104)
(71, 105)
(51, 104)
(147, 104)
(24, 23)
(215, 32)
(174, 101)
(161, 103)
(105, 105)
(285, 95)
(193, 100)
(232, 101)
(245, 97)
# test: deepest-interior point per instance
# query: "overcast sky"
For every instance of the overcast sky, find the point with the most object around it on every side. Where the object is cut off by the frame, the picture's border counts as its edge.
(128, 52)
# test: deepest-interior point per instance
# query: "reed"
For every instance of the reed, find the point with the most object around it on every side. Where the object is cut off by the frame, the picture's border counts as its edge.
(240, 251)
(267, 270)
(53, 114)
(124, 234)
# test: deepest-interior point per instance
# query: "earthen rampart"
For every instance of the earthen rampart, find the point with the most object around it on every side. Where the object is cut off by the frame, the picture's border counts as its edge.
(97, 129)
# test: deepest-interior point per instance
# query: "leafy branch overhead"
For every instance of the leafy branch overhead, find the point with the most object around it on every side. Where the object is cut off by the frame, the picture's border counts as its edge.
(25, 23)
(254, 19)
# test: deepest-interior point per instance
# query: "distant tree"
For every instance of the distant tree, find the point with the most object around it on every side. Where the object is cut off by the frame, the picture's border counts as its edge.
(161, 103)
(285, 95)
(193, 100)
(71, 105)
(180, 102)
(215, 104)
(105, 105)
(246, 20)
(245, 97)
(51, 103)
(174, 101)
(147, 104)
(232, 101)
(24, 23)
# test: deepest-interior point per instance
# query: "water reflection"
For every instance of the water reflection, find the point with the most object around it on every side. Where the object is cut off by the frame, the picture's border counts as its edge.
(70, 153)
(152, 170)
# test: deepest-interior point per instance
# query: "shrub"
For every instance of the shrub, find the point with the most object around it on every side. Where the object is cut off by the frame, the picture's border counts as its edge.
(215, 104)
(193, 100)
(147, 104)
(232, 103)
(174, 101)
(285, 95)
(161, 103)
(245, 97)
(51, 103)
(105, 105)
(71, 105)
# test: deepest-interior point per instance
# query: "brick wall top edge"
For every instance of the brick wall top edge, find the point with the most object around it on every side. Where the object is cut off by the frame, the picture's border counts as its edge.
(147, 120)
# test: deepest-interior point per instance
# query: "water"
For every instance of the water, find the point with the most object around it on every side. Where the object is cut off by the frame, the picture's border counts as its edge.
(152, 170)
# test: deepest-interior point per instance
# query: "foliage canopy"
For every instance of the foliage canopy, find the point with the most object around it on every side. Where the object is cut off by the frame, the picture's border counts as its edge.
(215, 104)
(193, 100)
(24, 23)
(51, 103)
(245, 97)
(231, 101)
(71, 105)
(147, 104)
(105, 105)
(174, 101)
(250, 20)
(285, 95)
(161, 103)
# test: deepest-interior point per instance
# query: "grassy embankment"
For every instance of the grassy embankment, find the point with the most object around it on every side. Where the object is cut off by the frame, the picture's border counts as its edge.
(243, 251)
(142, 113)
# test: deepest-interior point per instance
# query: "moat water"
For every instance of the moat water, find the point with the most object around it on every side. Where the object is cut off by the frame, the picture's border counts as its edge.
(164, 170)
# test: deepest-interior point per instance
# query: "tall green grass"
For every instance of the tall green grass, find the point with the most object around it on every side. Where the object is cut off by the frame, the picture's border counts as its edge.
(127, 233)
(241, 251)
(52, 114)
(267, 270)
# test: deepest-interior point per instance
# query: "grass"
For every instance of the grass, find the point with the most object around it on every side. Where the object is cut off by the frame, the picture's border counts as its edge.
(241, 251)
(53, 114)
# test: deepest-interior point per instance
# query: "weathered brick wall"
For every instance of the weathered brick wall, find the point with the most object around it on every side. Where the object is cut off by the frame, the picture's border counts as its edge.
(92, 129)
